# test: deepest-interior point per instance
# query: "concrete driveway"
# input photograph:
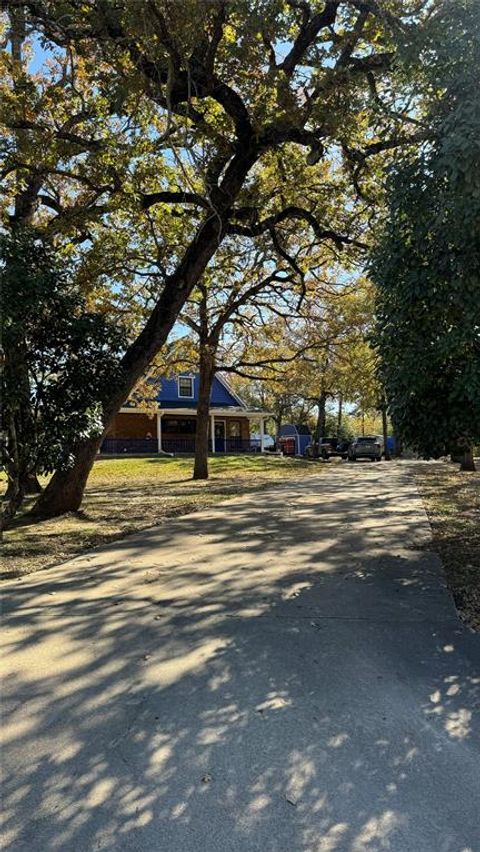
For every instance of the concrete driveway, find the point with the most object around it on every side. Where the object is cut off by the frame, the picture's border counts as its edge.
(284, 672)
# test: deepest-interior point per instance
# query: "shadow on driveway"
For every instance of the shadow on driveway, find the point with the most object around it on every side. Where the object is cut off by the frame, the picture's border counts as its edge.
(285, 672)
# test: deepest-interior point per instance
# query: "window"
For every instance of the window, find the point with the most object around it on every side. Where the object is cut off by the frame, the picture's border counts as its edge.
(185, 387)
(179, 427)
(234, 429)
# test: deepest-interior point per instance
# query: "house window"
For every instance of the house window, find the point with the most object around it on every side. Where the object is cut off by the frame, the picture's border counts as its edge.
(179, 427)
(234, 428)
(185, 387)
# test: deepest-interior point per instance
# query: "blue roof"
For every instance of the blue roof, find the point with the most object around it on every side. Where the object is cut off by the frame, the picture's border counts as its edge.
(294, 429)
(221, 396)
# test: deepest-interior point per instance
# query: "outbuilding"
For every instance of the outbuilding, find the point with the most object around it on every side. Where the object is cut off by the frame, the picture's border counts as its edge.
(300, 434)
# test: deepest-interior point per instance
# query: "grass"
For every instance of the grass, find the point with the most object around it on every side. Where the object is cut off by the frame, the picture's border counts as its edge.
(128, 495)
(452, 501)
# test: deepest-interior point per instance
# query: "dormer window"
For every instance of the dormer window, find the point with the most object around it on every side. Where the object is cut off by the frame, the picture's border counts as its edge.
(185, 387)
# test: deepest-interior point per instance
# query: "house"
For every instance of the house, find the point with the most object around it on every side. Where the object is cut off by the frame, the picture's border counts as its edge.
(171, 428)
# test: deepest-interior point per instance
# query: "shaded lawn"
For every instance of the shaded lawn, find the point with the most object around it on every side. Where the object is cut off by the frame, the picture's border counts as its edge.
(452, 501)
(129, 494)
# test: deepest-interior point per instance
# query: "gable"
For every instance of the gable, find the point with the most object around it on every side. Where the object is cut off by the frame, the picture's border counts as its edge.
(221, 396)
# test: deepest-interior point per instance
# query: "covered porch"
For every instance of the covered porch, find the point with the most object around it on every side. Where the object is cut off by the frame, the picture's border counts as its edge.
(173, 430)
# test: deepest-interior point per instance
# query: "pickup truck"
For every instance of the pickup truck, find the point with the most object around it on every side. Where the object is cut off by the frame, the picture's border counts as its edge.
(326, 447)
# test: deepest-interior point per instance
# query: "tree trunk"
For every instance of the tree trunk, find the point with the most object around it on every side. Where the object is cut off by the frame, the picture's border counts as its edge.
(321, 417)
(64, 492)
(340, 413)
(69, 484)
(207, 371)
(32, 485)
(13, 500)
(386, 451)
(468, 462)
(15, 493)
(319, 431)
(278, 426)
(19, 451)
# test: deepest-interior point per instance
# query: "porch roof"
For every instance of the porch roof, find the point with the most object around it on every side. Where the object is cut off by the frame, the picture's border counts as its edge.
(229, 411)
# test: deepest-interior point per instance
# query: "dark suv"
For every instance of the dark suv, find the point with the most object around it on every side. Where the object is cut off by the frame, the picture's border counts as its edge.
(366, 447)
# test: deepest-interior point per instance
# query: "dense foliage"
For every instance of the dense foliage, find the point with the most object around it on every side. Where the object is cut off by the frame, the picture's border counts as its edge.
(427, 264)
(59, 358)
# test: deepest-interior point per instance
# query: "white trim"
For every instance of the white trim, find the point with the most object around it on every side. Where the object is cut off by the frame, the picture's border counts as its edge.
(230, 390)
(159, 432)
(218, 420)
(212, 432)
(221, 412)
(138, 411)
(184, 395)
(262, 434)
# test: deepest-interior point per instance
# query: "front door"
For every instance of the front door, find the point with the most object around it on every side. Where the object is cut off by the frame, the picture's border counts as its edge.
(219, 436)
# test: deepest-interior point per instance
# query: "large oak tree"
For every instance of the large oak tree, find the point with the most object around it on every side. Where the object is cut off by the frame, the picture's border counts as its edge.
(229, 85)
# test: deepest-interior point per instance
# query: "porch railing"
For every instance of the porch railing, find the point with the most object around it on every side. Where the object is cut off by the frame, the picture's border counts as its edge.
(241, 445)
(117, 446)
(133, 446)
(178, 445)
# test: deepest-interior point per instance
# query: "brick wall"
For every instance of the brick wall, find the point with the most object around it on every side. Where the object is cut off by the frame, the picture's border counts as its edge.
(133, 426)
(141, 425)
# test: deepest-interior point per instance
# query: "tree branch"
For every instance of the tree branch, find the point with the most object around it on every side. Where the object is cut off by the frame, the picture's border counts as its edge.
(292, 212)
(149, 199)
(311, 26)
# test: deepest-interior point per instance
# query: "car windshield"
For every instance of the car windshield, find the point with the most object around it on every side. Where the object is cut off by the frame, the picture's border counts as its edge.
(366, 440)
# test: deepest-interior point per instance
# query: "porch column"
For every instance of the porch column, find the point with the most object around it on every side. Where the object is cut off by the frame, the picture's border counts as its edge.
(262, 434)
(212, 431)
(159, 432)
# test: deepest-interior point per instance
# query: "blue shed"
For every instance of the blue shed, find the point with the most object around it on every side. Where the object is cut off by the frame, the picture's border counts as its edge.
(302, 436)
(391, 444)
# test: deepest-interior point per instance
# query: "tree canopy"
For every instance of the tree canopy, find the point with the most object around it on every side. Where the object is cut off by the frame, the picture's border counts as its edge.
(202, 122)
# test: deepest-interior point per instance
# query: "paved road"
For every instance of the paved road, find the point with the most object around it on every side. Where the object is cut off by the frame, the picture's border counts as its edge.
(283, 673)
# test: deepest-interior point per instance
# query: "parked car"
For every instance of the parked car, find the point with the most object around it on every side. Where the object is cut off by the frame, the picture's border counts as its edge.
(366, 447)
(268, 441)
(327, 447)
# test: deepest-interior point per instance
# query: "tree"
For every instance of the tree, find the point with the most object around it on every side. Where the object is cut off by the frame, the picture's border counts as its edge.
(427, 263)
(58, 356)
(182, 60)
(241, 286)
(316, 354)
(56, 178)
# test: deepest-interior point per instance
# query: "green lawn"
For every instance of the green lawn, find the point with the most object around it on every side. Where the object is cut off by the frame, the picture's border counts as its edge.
(127, 495)
(452, 501)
